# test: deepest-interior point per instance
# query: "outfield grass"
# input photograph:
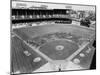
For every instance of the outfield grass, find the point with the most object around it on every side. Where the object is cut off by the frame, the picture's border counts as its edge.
(25, 63)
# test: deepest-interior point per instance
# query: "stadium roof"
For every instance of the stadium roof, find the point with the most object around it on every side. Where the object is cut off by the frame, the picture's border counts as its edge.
(29, 4)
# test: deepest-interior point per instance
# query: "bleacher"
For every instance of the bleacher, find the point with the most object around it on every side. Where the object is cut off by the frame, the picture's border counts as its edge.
(41, 15)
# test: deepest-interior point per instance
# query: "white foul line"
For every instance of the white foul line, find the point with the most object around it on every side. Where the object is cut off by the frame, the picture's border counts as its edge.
(36, 50)
(77, 52)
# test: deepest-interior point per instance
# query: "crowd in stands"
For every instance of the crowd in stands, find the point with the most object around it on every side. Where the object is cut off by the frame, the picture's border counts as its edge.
(33, 17)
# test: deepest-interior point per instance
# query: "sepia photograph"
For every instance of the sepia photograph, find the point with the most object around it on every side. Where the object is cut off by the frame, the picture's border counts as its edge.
(52, 37)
